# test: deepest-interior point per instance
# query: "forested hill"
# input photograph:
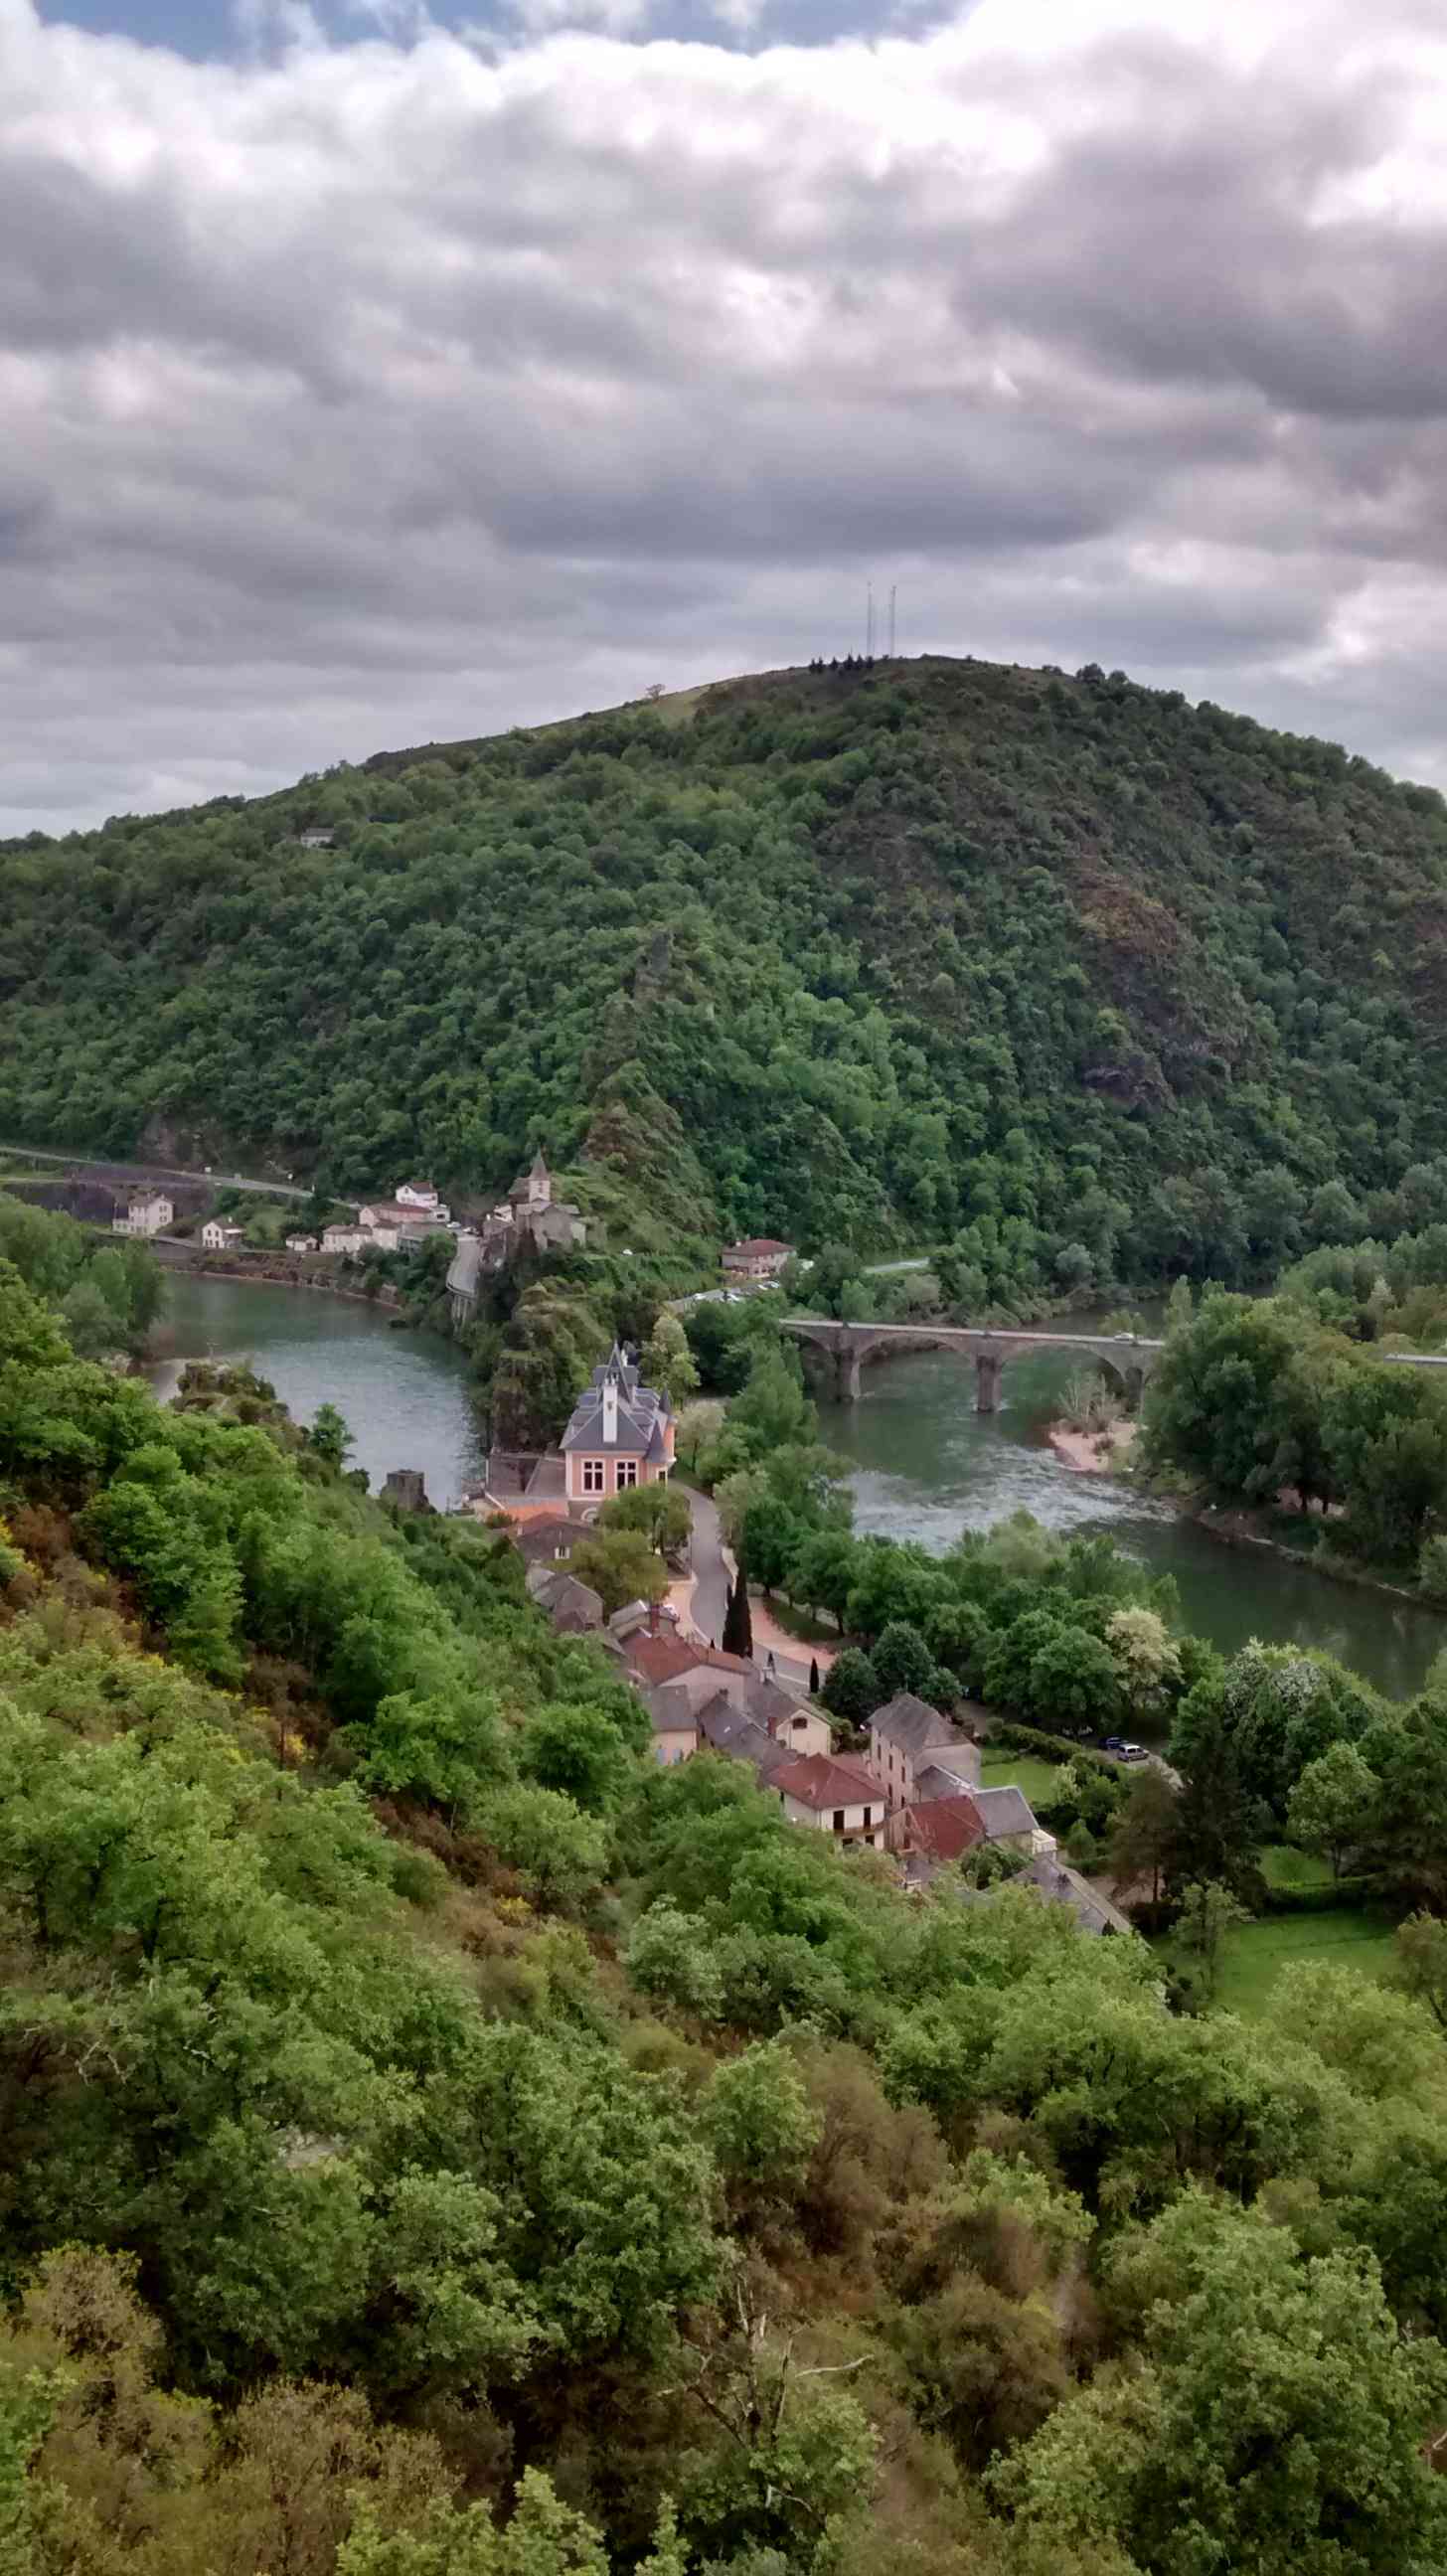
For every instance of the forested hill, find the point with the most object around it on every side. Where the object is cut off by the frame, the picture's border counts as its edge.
(912, 949)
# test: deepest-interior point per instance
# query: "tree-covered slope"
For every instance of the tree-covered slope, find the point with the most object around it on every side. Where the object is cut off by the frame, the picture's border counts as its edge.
(903, 949)
(438, 2141)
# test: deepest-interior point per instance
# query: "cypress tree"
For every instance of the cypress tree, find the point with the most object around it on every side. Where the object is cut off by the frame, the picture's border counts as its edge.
(738, 1627)
(813, 1677)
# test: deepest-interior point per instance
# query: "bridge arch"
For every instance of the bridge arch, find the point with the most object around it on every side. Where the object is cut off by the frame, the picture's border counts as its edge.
(1128, 1358)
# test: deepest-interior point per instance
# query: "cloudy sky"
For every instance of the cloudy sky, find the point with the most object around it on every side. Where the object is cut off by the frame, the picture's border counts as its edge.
(373, 371)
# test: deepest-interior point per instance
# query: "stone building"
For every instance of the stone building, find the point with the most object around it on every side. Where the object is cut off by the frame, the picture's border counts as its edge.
(529, 1219)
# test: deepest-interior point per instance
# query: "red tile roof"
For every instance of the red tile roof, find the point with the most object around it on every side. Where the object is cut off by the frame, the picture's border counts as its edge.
(829, 1780)
(662, 1659)
(760, 1243)
(944, 1828)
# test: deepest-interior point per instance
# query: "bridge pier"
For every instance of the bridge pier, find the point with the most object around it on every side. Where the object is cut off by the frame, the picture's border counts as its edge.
(1135, 1387)
(988, 1372)
(846, 1376)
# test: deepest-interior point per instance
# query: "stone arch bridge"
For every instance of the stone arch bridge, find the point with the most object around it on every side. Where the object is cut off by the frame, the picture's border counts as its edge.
(1127, 1357)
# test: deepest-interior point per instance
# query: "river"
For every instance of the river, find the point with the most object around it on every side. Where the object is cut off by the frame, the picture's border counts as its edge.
(926, 1465)
(403, 1394)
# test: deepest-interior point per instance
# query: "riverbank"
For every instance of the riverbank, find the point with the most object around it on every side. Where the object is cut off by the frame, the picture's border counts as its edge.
(1093, 1453)
(1239, 1529)
(268, 1270)
(404, 1393)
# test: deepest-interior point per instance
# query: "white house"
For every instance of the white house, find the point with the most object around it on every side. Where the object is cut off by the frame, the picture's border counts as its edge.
(301, 1243)
(345, 1238)
(836, 1794)
(759, 1256)
(420, 1198)
(219, 1237)
(145, 1212)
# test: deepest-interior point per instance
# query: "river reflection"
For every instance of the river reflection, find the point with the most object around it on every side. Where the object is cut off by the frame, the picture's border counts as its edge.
(927, 1466)
(404, 1395)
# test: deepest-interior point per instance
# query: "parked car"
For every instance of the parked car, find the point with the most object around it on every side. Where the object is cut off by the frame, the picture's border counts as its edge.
(1113, 1744)
(1133, 1753)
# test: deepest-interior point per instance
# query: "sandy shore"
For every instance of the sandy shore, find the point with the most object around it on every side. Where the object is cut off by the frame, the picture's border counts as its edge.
(1092, 1453)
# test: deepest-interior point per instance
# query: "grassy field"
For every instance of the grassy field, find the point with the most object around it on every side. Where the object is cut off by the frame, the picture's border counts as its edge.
(1025, 1770)
(1254, 1955)
(1282, 1865)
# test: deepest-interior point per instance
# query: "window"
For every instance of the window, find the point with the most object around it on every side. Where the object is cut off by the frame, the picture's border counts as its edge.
(869, 1815)
(627, 1473)
(592, 1475)
(839, 1820)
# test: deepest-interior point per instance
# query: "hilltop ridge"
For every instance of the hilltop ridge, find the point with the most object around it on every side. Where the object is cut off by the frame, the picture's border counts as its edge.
(1098, 982)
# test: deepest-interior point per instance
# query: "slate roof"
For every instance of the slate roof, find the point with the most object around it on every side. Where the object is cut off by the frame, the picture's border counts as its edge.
(671, 1710)
(727, 1730)
(773, 1707)
(642, 1413)
(1005, 1810)
(913, 1725)
(945, 1779)
(568, 1603)
(829, 1780)
(1061, 1885)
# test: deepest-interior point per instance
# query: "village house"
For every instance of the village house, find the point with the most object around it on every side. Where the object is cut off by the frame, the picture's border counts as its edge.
(674, 1721)
(345, 1238)
(835, 1794)
(574, 1608)
(217, 1236)
(316, 837)
(544, 1537)
(936, 1832)
(930, 1830)
(907, 1737)
(1059, 1884)
(728, 1729)
(650, 1657)
(760, 1256)
(636, 1618)
(301, 1243)
(143, 1212)
(420, 1198)
(620, 1434)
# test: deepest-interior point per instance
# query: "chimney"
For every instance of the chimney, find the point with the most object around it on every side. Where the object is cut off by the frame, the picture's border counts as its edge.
(653, 1618)
(610, 1411)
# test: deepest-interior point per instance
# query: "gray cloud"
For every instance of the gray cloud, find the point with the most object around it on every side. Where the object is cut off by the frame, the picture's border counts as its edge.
(383, 391)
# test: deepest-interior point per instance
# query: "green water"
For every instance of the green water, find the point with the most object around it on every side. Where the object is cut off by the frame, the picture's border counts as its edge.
(926, 1464)
(404, 1395)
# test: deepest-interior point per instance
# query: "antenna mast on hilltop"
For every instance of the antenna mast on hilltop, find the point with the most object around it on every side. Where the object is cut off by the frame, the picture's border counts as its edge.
(892, 587)
(869, 621)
